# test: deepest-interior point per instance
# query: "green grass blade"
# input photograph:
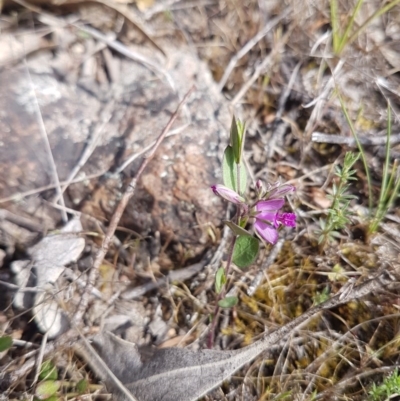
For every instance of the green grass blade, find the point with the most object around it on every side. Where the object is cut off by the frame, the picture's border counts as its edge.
(345, 36)
(395, 191)
(360, 149)
(385, 178)
(335, 25)
(376, 14)
(386, 182)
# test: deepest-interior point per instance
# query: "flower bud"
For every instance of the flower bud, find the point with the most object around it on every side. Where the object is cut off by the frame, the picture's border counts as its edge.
(281, 191)
(228, 194)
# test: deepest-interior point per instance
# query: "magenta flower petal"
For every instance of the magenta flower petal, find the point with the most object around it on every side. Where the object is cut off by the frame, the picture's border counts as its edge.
(269, 205)
(270, 217)
(266, 232)
(287, 219)
(228, 194)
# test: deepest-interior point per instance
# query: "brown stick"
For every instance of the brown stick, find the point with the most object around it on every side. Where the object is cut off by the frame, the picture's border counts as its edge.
(344, 140)
(101, 253)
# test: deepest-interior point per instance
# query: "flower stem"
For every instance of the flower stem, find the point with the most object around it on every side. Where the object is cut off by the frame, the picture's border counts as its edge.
(221, 295)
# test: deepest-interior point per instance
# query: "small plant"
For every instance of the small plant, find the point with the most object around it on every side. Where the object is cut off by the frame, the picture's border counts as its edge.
(264, 215)
(389, 387)
(390, 186)
(338, 214)
(50, 387)
(340, 40)
(390, 181)
(321, 297)
(5, 343)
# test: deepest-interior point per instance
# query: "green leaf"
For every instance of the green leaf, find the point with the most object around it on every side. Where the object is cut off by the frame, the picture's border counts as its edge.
(245, 251)
(237, 229)
(54, 397)
(46, 389)
(228, 302)
(5, 343)
(48, 371)
(230, 171)
(82, 386)
(237, 139)
(220, 280)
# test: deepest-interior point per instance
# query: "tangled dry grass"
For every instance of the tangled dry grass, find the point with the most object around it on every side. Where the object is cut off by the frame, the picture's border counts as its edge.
(283, 67)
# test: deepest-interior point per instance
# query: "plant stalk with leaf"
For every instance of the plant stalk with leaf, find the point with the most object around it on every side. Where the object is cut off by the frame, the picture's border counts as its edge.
(264, 214)
(338, 214)
(390, 186)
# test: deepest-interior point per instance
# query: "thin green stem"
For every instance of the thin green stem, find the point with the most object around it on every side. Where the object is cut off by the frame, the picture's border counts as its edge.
(238, 165)
(335, 25)
(386, 204)
(394, 192)
(344, 38)
(392, 177)
(221, 295)
(376, 14)
(386, 182)
(329, 224)
(361, 150)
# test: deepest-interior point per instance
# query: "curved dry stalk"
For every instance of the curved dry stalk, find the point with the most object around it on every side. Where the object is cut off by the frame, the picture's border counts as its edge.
(43, 132)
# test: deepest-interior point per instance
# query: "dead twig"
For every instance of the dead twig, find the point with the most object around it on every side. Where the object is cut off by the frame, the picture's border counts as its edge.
(268, 262)
(319, 101)
(14, 287)
(40, 358)
(132, 158)
(265, 65)
(279, 125)
(21, 195)
(320, 137)
(128, 15)
(20, 221)
(173, 275)
(114, 44)
(42, 129)
(125, 51)
(118, 213)
(106, 115)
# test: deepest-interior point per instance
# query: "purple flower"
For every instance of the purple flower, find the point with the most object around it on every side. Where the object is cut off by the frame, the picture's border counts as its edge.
(228, 194)
(269, 217)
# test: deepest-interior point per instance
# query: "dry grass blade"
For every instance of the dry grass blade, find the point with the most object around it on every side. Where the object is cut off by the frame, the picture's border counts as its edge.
(125, 13)
(43, 132)
(122, 49)
(248, 46)
(350, 141)
(266, 64)
(91, 146)
(22, 195)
